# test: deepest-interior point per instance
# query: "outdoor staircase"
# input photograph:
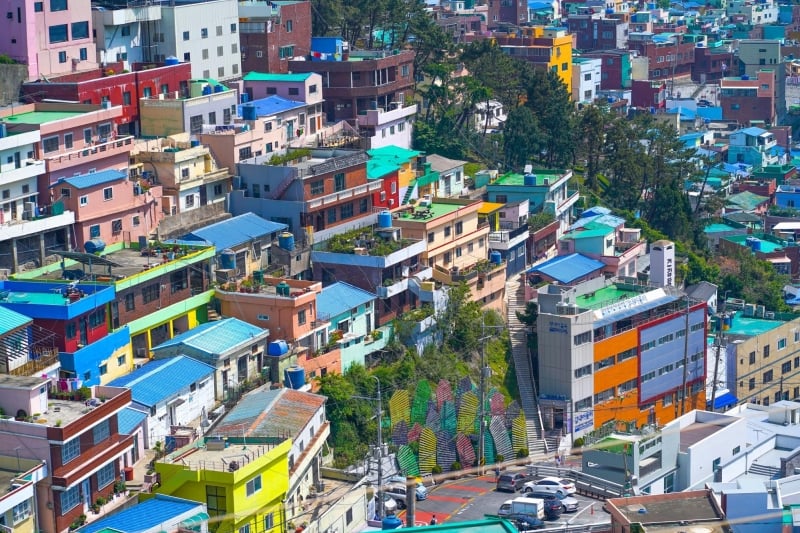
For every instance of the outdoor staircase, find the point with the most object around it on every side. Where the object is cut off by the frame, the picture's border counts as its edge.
(409, 193)
(213, 316)
(537, 446)
(772, 472)
(282, 187)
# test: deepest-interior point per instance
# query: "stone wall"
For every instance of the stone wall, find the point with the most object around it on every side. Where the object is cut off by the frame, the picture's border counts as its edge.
(11, 78)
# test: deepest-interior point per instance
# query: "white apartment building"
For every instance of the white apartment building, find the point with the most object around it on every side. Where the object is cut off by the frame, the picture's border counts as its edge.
(126, 33)
(586, 74)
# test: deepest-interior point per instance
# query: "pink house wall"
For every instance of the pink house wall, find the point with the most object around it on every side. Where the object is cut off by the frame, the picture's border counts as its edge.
(258, 89)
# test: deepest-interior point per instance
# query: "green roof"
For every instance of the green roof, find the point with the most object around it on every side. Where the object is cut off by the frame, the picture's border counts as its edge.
(602, 297)
(590, 230)
(267, 76)
(519, 179)
(768, 243)
(747, 200)
(377, 168)
(11, 320)
(718, 228)
(41, 117)
(394, 153)
(751, 326)
(436, 210)
(487, 525)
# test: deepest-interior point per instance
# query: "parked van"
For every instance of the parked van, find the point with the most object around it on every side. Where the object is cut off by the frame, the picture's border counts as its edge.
(528, 506)
(420, 490)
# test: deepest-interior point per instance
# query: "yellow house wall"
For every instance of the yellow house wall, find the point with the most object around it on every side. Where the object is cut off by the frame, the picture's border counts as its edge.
(114, 369)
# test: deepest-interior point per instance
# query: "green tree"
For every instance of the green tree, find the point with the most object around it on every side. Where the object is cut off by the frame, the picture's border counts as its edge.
(520, 137)
(591, 138)
(551, 103)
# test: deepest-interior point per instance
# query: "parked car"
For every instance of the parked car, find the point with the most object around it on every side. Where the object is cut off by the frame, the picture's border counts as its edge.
(420, 488)
(397, 492)
(562, 487)
(505, 508)
(553, 505)
(569, 503)
(704, 103)
(511, 481)
(525, 522)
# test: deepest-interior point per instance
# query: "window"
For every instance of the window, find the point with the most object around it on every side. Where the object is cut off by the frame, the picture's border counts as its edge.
(196, 124)
(312, 89)
(582, 338)
(204, 33)
(254, 485)
(233, 28)
(100, 432)
(38, 7)
(221, 71)
(216, 501)
(338, 181)
(50, 144)
(187, 56)
(583, 371)
(430, 236)
(286, 52)
(151, 293)
(108, 193)
(459, 228)
(447, 257)
(179, 281)
(447, 231)
(226, 116)
(767, 377)
(269, 522)
(68, 141)
(219, 31)
(220, 51)
(116, 226)
(602, 396)
(752, 358)
(751, 383)
(205, 53)
(766, 351)
(235, 48)
(781, 344)
(331, 215)
(80, 30)
(583, 404)
(21, 512)
(70, 498)
(217, 189)
(363, 205)
(604, 363)
(130, 304)
(69, 330)
(70, 450)
(786, 367)
(94, 231)
(212, 117)
(301, 317)
(294, 91)
(120, 360)
(84, 200)
(317, 187)
(346, 211)
(189, 200)
(245, 529)
(58, 5)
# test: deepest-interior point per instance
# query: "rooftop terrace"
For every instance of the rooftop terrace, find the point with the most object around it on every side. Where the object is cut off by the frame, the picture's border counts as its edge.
(40, 117)
(751, 326)
(541, 175)
(366, 241)
(424, 213)
(221, 455)
(603, 297)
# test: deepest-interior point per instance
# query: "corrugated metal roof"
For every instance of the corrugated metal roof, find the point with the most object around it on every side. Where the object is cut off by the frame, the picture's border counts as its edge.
(746, 200)
(267, 76)
(442, 164)
(11, 320)
(215, 337)
(393, 153)
(235, 231)
(128, 419)
(270, 413)
(85, 181)
(378, 168)
(339, 297)
(752, 131)
(568, 268)
(272, 105)
(160, 379)
(146, 515)
(590, 230)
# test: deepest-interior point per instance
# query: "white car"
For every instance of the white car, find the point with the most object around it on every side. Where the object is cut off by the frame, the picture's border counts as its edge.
(560, 486)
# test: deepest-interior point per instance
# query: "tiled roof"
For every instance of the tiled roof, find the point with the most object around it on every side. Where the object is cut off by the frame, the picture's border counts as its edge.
(160, 379)
(11, 320)
(235, 231)
(568, 268)
(128, 419)
(267, 76)
(215, 337)
(144, 516)
(272, 105)
(441, 164)
(746, 200)
(270, 413)
(86, 181)
(339, 297)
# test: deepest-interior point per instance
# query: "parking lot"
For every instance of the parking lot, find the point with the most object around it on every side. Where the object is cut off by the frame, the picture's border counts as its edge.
(473, 497)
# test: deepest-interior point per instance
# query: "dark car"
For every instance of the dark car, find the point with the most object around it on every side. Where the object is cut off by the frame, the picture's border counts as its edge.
(525, 522)
(552, 504)
(704, 103)
(511, 481)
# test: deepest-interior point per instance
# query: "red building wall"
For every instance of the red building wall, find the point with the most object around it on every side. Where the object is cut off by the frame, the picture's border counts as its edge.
(60, 327)
(269, 43)
(390, 200)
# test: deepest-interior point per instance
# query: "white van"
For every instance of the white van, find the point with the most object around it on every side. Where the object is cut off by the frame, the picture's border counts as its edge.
(528, 506)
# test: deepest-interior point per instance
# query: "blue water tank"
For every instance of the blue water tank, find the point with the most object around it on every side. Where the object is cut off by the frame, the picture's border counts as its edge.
(171, 60)
(277, 348)
(495, 257)
(727, 321)
(391, 522)
(207, 90)
(195, 143)
(249, 112)
(529, 180)
(384, 219)
(295, 377)
(227, 260)
(244, 98)
(286, 241)
(3, 130)
(757, 245)
(94, 246)
(219, 88)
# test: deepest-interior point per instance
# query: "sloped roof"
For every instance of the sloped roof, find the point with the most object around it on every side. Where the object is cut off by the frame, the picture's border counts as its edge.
(215, 337)
(394, 153)
(272, 105)
(160, 379)
(11, 320)
(747, 200)
(270, 413)
(568, 268)
(85, 181)
(441, 164)
(590, 230)
(235, 231)
(339, 297)
(378, 168)
(752, 131)
(144, 516)
(128, 419)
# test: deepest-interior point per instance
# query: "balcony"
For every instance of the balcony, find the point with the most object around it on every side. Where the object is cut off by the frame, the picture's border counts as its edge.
(16, 229)
(378, 117)
(392, 287)
(29, 169)
(506, 239)
(131, 15)
(470, 274)
(329, 199)
(93, 152)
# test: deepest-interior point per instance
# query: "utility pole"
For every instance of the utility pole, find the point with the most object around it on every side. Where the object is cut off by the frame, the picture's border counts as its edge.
(379, 492)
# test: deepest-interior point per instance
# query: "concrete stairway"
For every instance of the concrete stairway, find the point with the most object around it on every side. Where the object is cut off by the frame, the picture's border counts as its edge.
(537, 446)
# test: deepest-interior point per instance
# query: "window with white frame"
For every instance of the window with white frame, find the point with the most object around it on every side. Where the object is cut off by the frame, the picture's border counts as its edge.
(21, 512)
(70, 450)
(105, 476)
(84, 200)
(108, 194)
(70, 498)
(254, 485)
(100, 432)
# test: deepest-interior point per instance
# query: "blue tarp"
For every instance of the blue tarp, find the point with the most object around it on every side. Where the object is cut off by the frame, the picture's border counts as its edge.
(725, 400)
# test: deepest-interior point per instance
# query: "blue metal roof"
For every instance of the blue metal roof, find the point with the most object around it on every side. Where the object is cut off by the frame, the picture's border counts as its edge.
(340, 297)
(215, 337)
(159, 380)
(752, 131)
(235, 231)
(85, 181)
(146, 515)
(568, 268)
(595, 211)
(11, 320)
(607, 219)
(724, 400)
(272, 105)
(128, 419)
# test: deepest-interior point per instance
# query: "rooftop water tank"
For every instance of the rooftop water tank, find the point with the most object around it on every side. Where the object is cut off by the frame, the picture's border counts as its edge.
(384, 219)
(295, 377)
(227, 259)
(283, 289)
(529, 180)
(495, 257)
(94, 246)
(219, 88)
(171, 60)
(207, 90)
(391, 522)
(286, 241)
(249, 112)
(245, 97)
(278, 347)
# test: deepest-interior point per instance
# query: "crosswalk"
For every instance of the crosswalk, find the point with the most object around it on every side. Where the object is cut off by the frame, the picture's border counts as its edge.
(537, 446)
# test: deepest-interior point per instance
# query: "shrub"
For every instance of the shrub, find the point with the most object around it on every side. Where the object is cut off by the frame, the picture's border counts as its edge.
(577, 443)
(522, 453)
(455, 466)
(499, 458)
(436, 469)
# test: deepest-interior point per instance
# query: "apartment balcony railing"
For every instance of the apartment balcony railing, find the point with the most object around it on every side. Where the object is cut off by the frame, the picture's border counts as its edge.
(93, 152)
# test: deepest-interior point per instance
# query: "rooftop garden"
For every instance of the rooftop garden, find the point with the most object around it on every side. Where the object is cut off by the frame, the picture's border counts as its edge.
(366, 241)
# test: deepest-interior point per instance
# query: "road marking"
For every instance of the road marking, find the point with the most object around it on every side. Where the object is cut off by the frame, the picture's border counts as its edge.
(453, 499)
(467, 488)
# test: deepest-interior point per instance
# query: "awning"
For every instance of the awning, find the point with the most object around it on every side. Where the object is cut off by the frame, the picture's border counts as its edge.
(195, 520)
(725, 400)
(487, 208)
